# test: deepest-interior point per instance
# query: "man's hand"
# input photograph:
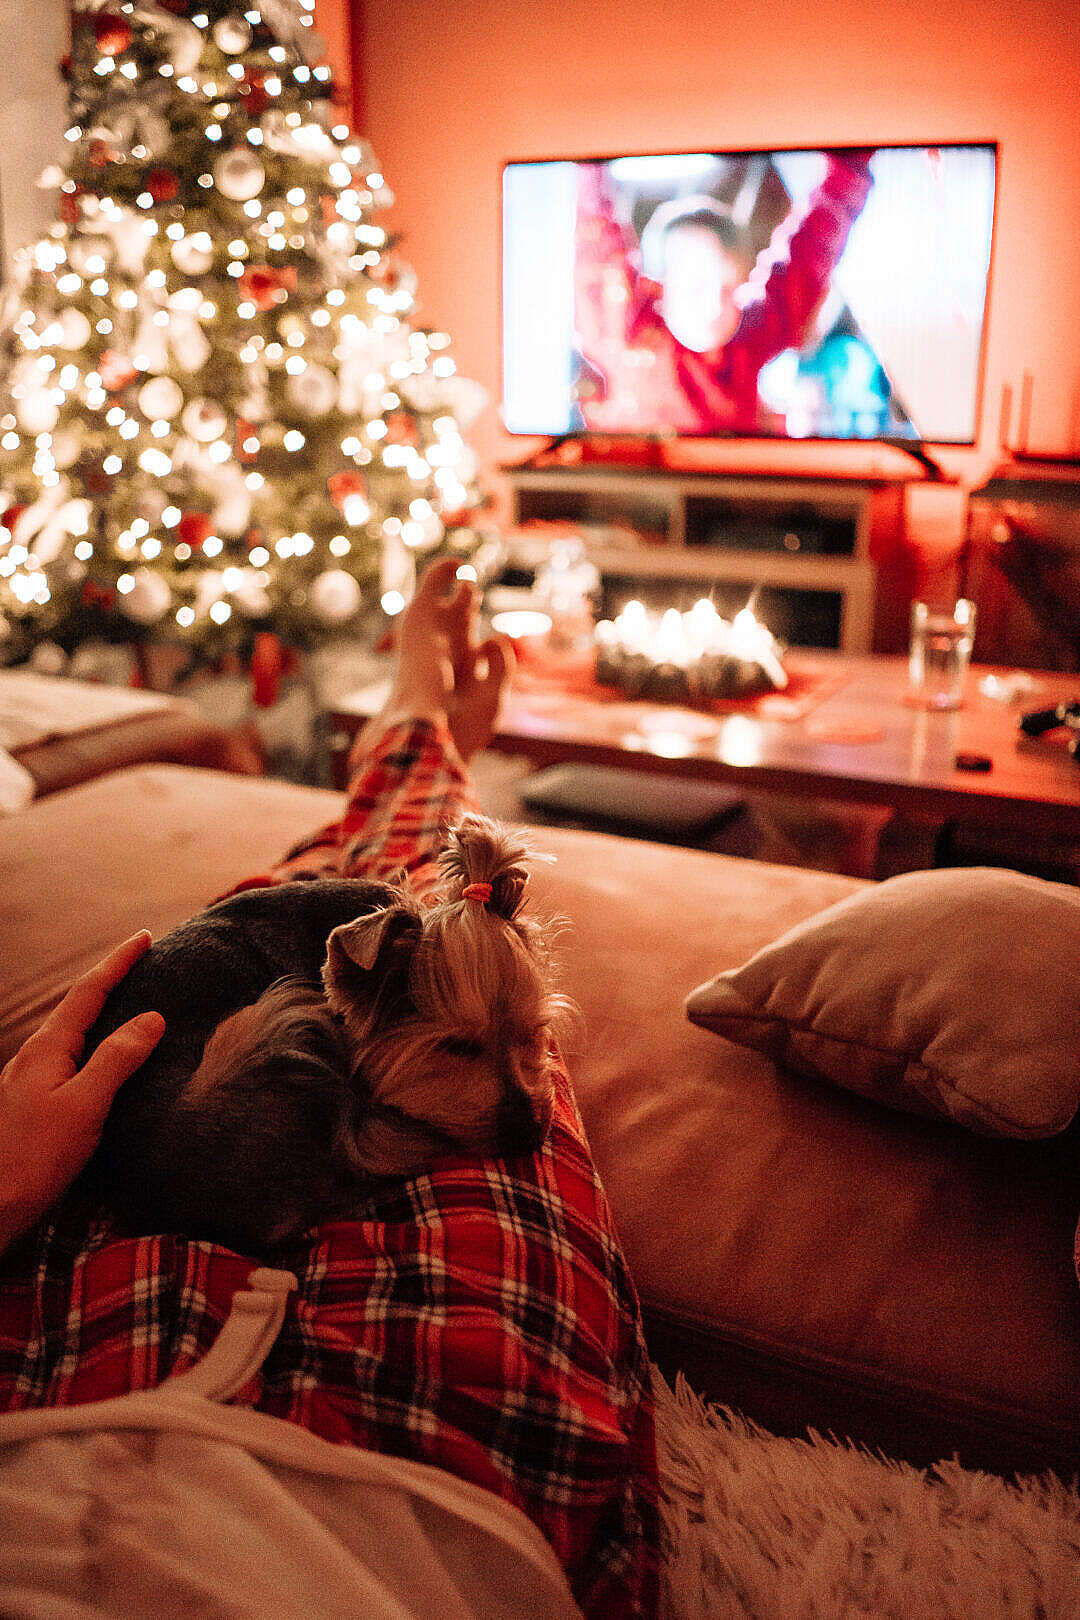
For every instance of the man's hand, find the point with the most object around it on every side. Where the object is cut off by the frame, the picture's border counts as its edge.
(51, 1111)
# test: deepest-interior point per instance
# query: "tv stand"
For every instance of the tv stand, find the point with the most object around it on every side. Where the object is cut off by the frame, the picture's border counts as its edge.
(800, 545)
(571, 450)
(917, 451)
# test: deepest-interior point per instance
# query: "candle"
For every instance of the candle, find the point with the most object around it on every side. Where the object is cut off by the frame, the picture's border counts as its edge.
(680, 656)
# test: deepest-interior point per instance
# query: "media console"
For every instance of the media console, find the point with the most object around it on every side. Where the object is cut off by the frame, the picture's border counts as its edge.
(803, 546)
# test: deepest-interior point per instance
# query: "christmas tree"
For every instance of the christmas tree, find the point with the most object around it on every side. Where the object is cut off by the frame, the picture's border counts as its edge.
(218, 416)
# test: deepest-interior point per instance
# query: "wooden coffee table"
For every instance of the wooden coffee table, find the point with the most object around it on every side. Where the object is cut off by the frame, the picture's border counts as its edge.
(861, 743)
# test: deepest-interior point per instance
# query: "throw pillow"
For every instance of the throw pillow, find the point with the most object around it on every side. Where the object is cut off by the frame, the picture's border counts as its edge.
(950, 993)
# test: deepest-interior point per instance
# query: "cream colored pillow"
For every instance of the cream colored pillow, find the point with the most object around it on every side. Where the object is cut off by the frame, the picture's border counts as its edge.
(951, 993)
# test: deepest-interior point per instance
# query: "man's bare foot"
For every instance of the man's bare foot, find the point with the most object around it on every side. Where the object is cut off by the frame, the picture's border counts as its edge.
(441, 672)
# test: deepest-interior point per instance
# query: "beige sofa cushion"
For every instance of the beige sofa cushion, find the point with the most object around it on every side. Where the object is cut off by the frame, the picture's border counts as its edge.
(955, 994)
(800, 1253)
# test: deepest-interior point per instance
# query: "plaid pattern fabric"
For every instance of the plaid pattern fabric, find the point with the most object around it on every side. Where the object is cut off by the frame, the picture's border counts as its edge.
(402, 796)
(479, 1317)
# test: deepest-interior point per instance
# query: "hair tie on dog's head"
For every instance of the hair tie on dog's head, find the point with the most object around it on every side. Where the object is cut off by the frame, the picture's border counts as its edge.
(477, 891)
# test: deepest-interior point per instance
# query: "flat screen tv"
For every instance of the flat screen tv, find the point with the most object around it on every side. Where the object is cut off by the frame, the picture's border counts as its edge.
(812, 294)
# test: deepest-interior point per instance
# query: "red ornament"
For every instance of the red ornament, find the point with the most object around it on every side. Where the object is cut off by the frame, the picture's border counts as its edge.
(115, 371)
(112, 35)
(267, 667)
(94, 595)
(251, 88)
(247, 443)
(193, 528)
(95, 480)
(162, 184)
(459, 517)
(12, 516)
(69, 207)
(265, 286)
(100, 153)
(401, 429)
(342, 486)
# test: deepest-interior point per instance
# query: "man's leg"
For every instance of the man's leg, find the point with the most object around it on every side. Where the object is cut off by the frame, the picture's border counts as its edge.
(408, 780)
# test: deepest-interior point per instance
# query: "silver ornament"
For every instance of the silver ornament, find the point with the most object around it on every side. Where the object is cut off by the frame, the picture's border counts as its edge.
(204, 419)
(36, 412)
(66, 448)
(148, 599)
(335, 596)
(238, 174)
(314, 391)
(160, 398)
(232, 35)
(75, 328)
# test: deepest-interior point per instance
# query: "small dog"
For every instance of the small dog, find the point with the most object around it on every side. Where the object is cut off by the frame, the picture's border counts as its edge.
(326, 1032)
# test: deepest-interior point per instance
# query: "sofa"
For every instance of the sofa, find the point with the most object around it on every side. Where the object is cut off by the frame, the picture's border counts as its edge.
(803, 1254)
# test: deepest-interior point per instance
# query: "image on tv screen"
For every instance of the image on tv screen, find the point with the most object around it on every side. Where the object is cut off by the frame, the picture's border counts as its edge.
(832, 294)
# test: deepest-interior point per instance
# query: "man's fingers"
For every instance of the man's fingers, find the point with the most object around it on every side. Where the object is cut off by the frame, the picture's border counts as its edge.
(116, 1060)
(66, 1026)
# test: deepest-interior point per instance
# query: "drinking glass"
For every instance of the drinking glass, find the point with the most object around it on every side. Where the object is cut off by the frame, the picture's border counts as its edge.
(940, 651)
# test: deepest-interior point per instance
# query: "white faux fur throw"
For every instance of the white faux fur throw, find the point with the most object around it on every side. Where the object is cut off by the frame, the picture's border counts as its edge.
(775, 1529)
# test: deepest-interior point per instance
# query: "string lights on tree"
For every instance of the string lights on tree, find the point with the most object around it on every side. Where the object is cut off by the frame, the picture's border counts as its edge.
(219, 414)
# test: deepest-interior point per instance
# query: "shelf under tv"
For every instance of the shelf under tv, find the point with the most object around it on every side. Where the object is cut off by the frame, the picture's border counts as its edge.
(763, 532)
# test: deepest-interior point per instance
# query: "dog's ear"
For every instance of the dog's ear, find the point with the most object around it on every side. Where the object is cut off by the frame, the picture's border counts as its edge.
(365, 955)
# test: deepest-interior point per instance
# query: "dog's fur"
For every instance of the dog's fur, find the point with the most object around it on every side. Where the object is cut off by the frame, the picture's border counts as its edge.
(322, 1033)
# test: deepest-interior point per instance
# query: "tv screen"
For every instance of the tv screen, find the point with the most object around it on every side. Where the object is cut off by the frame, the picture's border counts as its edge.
(826, 294)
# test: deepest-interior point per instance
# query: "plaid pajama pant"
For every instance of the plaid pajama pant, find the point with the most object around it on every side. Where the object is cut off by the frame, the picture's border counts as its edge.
(479, 1317)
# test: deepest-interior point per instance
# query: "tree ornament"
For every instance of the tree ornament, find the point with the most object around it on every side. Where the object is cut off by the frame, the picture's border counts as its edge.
(232, 507)
(345, 487)
(246, 441)
(66, 448)
(115, 371)
(36, 412)
(183, 41)
(401, 428)
(148, 599)
(100, 153)
(75, 329)
(204, 419)
(232, 35)
(265, 285)
(238, 174)
(162, 184)
(193, 528)
(314, 391)
(253, 89)
(112, 34)
(335, 596)
(128, 241)
(160, 398)
(151, 505)
(91, 473)
(48, 659)
(190, 256)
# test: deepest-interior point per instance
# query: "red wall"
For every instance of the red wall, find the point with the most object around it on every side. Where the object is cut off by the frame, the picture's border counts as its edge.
(450, 91)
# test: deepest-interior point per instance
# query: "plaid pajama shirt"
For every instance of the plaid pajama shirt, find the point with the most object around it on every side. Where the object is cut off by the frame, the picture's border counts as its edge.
(478, 1317)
